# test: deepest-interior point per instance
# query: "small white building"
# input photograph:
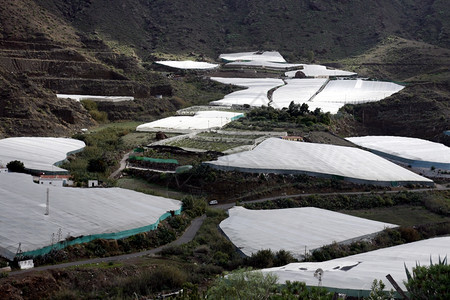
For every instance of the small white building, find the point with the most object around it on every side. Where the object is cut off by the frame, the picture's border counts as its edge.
(55, 180)
(92, 183)
(3, 170)
(26, 264)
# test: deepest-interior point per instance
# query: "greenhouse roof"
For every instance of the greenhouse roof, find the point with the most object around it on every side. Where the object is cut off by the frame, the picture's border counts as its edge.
(254, 95)
(319, 71)
(411, 150)
(187, 64)
(72, 211)
(298, 90)
(347, 163)
(272, 56)
(356, 91)
(201, 120)
(95, 98)
(355, 274)
(38, 153)
(297, 230)
(263, 64)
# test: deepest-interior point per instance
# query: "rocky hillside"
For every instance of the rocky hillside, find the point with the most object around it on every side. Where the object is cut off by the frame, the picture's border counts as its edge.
(420, 110)
(328, 28)
(41, 55)
(106, 47)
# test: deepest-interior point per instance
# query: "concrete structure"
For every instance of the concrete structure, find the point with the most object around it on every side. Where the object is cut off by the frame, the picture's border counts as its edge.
(92, 183)
(55, 180)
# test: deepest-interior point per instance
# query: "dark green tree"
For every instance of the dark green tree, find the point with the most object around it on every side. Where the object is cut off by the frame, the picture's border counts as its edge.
(97, 165)
(16, 166)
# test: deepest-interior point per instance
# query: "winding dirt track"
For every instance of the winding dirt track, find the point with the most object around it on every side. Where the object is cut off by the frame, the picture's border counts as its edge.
(187, 236)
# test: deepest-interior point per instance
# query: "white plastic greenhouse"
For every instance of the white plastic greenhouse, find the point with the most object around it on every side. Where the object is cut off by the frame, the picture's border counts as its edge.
(39, 153)
(89, 212)
(297, 230)
(320, 71)
(254, 95)
(201, 120)
(187, 64)
(298, 90)
(354, 275)
(356, 91)
(346, 163)
(262, 64)
(95, 98)
(413, 151)
(273, 56)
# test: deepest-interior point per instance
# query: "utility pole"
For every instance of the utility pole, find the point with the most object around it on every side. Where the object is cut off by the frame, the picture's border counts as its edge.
(47, 206)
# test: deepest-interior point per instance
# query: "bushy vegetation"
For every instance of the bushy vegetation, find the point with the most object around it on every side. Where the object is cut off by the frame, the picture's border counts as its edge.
(247, 284)
(268, 259)
(387, 238)
(99, 158)
(92, 108)
(429, 282)
(162, 278)
(16, 166)
(433, 201)
(295, 116)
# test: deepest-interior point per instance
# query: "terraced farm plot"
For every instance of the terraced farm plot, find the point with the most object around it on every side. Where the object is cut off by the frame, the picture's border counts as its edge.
(210, 145)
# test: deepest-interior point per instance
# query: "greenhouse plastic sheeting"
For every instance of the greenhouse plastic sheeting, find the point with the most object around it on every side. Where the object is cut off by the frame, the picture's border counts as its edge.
(254, 95)
(39, 153)
(355, 274)
(82, 213)
(95, 98)
(201, 120)
(356, 91)
(297, 90)
(297, 230)
(412, 151)
(319, 71)
(262, 64)
(187, 64)
(347, 163)
(272, 56)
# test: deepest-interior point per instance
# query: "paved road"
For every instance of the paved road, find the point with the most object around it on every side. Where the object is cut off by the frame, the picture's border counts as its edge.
(123, 164)
(191, 231)
(187, 236)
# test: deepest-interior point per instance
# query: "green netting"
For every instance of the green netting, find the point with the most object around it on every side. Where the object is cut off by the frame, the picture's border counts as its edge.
(237, 117)
(154, 160)
(182, 169)
(106, 236)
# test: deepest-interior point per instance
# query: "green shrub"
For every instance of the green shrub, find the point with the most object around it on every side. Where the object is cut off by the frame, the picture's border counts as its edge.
(159, 279)
(261, 259)
(429, 282)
